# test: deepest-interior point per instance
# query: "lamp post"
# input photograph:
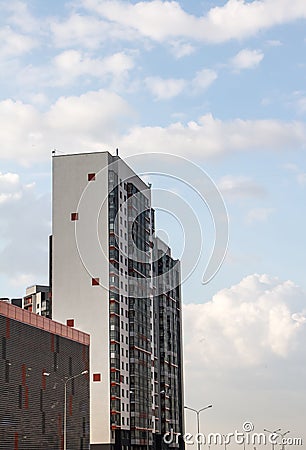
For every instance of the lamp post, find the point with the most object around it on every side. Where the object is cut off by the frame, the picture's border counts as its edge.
(225, 441)
(282, 435)
(65, 400)
(272, 432)
(198, 412)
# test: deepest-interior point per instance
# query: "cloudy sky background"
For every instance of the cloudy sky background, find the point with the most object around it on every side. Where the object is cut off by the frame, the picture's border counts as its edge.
(221, 83)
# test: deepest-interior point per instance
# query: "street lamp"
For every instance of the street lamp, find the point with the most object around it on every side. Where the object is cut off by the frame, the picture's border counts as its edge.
(282, 435)
(272, 432)
(225, 441)
(65, 400)
(198, 411)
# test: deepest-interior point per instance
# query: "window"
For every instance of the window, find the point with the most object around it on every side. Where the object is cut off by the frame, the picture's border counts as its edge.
(95, 281)
(96, 377)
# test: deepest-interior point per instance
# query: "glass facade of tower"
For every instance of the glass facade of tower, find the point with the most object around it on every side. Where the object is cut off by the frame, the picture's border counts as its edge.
(168, 336)
(145, 328)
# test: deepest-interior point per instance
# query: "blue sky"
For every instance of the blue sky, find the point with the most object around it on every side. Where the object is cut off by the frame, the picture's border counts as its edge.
(221, 83)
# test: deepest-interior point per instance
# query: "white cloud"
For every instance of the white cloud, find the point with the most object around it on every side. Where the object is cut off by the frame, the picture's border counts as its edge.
(300, 175)
(163, 20)
(22, 280)
(240, 187)
(259, 214)
(210, 137)
(258, 319)
(91, 114)
(301, 104)
(71, 64)
(77, 123)
(301, 178)
(181, 49)
(245, 352)
(9, 187)
(20, 132)
(24, 229)
(7, 181)
(164, 89)
(203, 79)
(100, 120)
(13, 44)
(274, 43)
(20, 16)
(246, 59)
(87, 32)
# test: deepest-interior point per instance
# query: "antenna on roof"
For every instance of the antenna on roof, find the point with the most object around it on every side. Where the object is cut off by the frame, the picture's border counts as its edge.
(54, 151)
(117, 151)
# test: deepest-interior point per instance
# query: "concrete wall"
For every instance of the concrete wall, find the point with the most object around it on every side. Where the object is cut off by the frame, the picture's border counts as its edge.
(77, 259)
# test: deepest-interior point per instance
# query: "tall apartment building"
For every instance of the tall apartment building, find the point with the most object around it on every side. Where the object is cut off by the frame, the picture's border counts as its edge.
(104, 277)
(168, 339)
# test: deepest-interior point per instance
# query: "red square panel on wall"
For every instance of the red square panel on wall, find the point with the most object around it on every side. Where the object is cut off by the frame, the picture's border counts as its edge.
(96, 377)
(91, 177)
(75, 216)
(95, 281)
(70, 323)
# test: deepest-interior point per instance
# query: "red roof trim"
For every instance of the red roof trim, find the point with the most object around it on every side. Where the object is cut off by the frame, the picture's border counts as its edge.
(29, 318)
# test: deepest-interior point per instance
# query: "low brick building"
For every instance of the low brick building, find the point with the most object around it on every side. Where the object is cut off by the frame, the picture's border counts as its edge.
(37, 356)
